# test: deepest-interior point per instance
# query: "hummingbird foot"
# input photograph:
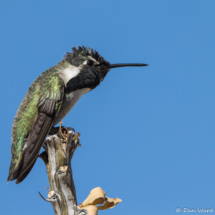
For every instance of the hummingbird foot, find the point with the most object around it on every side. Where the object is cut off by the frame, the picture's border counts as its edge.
(75, 137)
(61, 131)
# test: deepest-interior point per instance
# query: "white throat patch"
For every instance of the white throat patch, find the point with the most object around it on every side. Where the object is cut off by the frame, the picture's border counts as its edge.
(69, 73)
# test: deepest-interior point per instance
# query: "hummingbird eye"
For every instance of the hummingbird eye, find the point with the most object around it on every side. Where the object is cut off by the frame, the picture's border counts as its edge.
(90, 62)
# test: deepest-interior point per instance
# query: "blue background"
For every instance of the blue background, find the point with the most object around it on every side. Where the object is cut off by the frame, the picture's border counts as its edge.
(147, 134)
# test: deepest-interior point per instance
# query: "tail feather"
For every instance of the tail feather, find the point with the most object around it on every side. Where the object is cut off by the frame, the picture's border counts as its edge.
(20, 178)
(30, 154)
(15, 173)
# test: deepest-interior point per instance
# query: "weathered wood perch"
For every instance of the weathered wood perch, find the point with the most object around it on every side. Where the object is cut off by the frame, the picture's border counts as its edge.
(59, 149)
(57, 156)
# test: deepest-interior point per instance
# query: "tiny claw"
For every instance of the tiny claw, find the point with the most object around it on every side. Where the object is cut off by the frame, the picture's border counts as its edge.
(64, 134)
(76, 136)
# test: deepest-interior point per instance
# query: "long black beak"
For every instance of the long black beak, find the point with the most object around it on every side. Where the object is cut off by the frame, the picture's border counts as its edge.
(126, 64)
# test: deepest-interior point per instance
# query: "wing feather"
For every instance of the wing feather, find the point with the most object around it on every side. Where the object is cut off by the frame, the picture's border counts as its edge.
(48, 107)
(37, 137)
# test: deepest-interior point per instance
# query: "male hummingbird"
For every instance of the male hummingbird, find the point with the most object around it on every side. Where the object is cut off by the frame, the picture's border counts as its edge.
(48, 100)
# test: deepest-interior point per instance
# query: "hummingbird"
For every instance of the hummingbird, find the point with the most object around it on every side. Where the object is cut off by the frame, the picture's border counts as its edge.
(49, 99)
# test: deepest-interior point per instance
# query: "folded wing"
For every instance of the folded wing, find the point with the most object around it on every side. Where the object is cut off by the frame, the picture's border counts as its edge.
(48, 107)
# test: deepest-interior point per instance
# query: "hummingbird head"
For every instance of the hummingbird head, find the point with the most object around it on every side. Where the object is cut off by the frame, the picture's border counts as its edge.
(89, 61)
(92, 67)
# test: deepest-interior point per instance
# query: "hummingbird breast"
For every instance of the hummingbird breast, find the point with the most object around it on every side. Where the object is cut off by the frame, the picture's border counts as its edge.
(69, 101)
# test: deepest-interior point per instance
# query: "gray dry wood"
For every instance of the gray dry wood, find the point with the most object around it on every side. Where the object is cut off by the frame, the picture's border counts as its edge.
(57, 158)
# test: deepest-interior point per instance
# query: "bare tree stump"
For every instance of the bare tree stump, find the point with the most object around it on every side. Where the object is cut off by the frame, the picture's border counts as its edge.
(57, 156)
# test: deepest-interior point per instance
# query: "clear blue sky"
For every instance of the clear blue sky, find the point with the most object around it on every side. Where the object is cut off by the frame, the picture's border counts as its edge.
(147, 134)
